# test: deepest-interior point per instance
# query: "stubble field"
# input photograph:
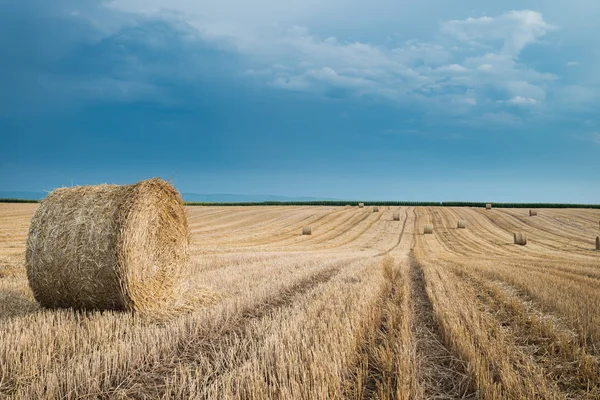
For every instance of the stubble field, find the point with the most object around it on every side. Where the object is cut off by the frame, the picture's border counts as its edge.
(364, 308)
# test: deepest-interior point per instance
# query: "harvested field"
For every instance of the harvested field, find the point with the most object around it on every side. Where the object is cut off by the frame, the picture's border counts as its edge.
(364, 308)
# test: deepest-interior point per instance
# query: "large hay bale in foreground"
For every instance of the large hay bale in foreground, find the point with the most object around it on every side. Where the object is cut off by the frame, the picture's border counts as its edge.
(307, 230)
(520, 238)
(108, 247)
(396, 217)
(375, 209)
(462, 224)
(361, 205)
(428, 229)
(488, 206)
(532, 213)
(597, 242)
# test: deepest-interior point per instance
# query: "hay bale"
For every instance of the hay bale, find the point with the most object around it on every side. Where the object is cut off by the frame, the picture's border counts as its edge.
(532, 213)
(375, 209)
(361, 205)
(488, 206)
(428, 229)
(597, 242)
(108, 247)
(396, 217)
(307, 230)
(520, 238)
(462, 224)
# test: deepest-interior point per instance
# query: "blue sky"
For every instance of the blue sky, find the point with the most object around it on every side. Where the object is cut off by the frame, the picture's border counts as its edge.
(480, 100)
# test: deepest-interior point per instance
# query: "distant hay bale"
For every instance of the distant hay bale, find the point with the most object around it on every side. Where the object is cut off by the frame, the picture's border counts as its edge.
(532, 213)
(109, 247)
(520, 238)
(462, 224)
(428, 229)
(597, 242)
(396, 217)
(307, 230)
(488, 206)
(361, 205)
(375, 209)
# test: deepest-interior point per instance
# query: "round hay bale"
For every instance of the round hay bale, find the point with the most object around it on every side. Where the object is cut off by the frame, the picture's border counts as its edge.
(375, 209)
(597, 242)
(428, 229)
(361, 205)
(396, 217)
(488, 206)
(462, 224)
(307, 230)
(108, 247)
(532, 213)
(520, 238)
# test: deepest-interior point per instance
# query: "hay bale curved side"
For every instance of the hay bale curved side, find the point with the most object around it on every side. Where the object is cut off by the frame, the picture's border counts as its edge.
(461, 224)
(375, 209)
(361, 205)
(307, 230)
(428, 229)
(597, 242)
(488, 206)
(396, 217)
(108, 247)
(532, 213)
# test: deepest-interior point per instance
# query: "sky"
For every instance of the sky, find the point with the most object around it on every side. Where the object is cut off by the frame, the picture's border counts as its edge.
(372, 100)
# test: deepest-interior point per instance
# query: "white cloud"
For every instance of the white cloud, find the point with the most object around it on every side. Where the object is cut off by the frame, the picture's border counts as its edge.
(572, 64)
(519, 100)
(471, 63)
(516, 29)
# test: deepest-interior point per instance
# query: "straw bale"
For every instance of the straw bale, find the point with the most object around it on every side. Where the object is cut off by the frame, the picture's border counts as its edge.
(520, 238)
(108, 247)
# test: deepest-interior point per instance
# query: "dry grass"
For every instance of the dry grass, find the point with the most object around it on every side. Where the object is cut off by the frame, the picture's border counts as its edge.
(367, 309)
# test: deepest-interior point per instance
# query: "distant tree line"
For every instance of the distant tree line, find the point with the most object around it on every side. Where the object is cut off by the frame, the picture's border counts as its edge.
(18, 201)
(399, 203)
(371, 203)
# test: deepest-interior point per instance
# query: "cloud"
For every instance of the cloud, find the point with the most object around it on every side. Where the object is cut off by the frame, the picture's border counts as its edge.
(108, 54)
(596, 138)
(572, 64)
(516, 29)
(415, 71)
(519, 100)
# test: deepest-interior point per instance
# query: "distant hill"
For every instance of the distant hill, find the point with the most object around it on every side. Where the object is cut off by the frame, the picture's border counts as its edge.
(191, 197)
